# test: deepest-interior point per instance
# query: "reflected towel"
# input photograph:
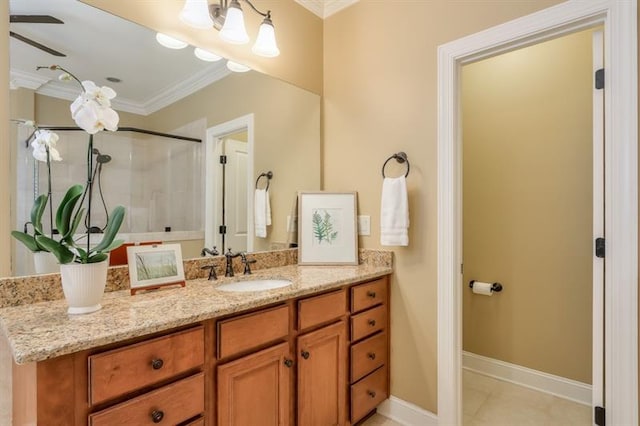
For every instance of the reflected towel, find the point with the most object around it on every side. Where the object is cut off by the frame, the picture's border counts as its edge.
(394, 212)
(262, 212)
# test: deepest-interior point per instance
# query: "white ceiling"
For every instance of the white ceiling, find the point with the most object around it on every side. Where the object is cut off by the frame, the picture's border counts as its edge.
(325, 8)
(100, 45)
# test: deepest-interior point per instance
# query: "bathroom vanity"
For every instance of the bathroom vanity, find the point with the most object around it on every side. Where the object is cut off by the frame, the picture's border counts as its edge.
(313, 353)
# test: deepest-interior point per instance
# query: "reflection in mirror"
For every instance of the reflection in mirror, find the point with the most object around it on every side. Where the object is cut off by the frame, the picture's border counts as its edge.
(161, 181)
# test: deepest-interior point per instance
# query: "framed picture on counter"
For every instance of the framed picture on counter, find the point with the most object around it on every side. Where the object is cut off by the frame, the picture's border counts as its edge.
(155, 266)
(327, 229)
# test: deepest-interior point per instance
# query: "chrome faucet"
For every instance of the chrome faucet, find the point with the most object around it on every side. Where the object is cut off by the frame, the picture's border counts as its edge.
(213, 252)
(230, 255)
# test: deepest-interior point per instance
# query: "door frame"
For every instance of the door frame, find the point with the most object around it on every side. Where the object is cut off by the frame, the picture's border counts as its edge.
(619, 19)
(212, 197)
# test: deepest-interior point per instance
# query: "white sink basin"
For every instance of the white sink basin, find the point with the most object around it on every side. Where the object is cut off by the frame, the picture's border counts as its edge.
(253, 285)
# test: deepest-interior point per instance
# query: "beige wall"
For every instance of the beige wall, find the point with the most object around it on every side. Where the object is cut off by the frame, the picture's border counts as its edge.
(527, 205)
(380, 73)
(286, 134)
(298, 33)
(5, 171)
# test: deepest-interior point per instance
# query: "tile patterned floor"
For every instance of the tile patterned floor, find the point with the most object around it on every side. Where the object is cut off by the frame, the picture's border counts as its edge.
(488, 401)
(491, 402)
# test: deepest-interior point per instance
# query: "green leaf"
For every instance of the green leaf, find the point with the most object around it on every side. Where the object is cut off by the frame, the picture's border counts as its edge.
(115, 221)
(28, 240)
(98, 257)
(68, 237)
(37, 211)
(65, 209)
(61, 252)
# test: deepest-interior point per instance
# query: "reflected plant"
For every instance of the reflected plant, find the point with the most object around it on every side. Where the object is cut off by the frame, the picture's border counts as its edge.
(93, 113)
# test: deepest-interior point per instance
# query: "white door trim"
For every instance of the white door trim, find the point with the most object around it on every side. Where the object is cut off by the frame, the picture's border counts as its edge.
(214, 174)
(621, 193)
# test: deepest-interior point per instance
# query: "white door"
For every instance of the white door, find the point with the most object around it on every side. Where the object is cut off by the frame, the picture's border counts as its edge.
(236, 194)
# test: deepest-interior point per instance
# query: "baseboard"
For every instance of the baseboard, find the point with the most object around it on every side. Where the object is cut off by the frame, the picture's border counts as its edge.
(544, 382)
(406, 413)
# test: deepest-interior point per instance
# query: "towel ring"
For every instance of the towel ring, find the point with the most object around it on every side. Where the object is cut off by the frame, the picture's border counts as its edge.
(268, 175)
(400, 157)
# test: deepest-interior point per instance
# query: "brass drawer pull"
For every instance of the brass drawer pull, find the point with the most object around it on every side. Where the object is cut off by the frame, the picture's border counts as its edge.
(371, 294)
(372, 322)
(288, 363)
(157, 416)
(305, 354)
(157, 363)
(371, 393)
(371, 355)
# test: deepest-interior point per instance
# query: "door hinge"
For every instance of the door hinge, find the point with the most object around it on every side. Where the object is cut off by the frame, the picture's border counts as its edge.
(223, 159)
(600, 78)
(599, 416)
(462, 268)
(600, 243)
(222, 229)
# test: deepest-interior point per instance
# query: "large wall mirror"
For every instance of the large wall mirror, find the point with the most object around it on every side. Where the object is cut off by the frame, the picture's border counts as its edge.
(171, 186)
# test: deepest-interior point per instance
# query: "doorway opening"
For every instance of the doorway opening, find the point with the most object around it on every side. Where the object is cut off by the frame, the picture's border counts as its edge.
(619, 20)
(531, 164)
(228, 185)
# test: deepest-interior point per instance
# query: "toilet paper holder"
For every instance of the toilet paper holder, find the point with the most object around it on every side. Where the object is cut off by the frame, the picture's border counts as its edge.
(495, 287)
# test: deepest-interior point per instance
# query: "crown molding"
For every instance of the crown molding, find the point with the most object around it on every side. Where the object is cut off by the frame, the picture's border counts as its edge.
(56, 89)
(26, 80)
(325, 8)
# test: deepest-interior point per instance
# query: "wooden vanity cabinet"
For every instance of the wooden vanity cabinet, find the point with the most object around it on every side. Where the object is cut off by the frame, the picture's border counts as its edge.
(312, 361)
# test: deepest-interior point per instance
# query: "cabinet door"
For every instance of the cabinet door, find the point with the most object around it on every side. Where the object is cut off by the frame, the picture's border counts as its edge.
(322, 374)
(255, 389)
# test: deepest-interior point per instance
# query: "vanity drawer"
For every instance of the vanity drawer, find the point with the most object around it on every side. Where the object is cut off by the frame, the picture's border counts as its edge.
(197, 422)
(250, 331)
(366, 295)
(133, 367)
(368, 393)
(368, 355)
(368, 322)
(171, 404)
(321, 309)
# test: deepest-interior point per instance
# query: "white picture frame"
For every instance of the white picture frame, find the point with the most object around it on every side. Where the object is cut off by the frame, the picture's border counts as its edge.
(155, 266)
(327, 228)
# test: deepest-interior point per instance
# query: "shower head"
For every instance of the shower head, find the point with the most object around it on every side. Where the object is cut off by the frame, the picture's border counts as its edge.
(103, 158)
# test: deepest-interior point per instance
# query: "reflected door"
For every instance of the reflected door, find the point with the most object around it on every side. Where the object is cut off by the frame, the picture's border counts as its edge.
(236, 194)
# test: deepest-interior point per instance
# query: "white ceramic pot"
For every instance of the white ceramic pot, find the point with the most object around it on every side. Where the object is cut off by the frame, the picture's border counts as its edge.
(83, 286)
(45, 263)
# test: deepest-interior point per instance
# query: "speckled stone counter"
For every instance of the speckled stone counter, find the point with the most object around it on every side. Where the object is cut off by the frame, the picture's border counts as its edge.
(44, 330)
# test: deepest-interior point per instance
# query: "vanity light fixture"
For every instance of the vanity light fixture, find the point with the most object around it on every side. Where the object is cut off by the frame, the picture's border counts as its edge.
(195, 13)
(205, 55)
(236, 67)
(227, 17)
(170, 42)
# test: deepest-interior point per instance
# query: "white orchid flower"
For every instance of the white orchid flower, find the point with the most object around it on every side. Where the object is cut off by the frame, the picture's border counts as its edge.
(93, 117)
(65, 77)
(43, 140)
(102, 95)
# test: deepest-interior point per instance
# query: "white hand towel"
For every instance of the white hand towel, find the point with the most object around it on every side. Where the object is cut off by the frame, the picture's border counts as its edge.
(262, 213)
(394, 212)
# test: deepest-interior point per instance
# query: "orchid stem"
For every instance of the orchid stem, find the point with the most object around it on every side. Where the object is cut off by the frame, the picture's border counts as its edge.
(90, 190)
(49, 200)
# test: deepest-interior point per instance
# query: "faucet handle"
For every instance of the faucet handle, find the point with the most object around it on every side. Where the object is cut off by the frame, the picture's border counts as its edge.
(212, 272)
(247, 264)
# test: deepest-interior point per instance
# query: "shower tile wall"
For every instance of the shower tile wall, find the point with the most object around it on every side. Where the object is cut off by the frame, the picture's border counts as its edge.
(158, 180)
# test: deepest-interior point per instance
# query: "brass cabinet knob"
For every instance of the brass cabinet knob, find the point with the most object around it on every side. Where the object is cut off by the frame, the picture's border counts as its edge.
(371, 294)
(305, 354)
(371, 393)
(372, 322)
(288, 363)
(157, 363)
(371, 355)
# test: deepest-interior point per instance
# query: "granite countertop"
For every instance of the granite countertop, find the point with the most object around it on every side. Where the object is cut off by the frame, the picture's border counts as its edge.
(40, 331)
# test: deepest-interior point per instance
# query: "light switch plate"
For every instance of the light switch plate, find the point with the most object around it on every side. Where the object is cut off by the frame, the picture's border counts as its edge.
(364, 225)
